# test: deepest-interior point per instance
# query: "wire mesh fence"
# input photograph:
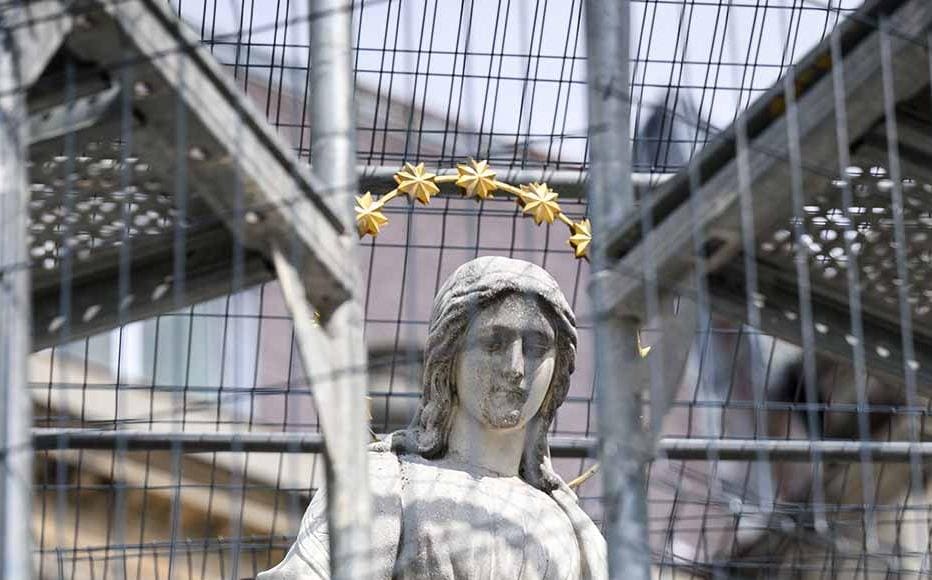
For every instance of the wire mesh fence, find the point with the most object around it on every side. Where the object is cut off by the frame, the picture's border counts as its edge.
(175, 425)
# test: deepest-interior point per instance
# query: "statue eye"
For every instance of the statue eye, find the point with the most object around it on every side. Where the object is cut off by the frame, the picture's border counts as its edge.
(492, 344)
(536, 346)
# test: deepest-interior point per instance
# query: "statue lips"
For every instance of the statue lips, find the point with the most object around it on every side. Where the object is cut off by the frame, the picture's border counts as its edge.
(516, 395)
(509, 401)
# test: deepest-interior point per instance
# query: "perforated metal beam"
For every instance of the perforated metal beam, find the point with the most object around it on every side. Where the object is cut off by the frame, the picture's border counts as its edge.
(779, 317)
(96, 300)
(669, 244)
(156, 183)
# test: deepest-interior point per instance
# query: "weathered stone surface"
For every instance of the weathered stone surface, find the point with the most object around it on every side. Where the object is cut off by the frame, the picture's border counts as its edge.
(468, 491)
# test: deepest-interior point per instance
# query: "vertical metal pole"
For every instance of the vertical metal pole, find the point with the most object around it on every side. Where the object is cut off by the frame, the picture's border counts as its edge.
(15, 408)
(622, 440)
(333, 160)
(333, 118)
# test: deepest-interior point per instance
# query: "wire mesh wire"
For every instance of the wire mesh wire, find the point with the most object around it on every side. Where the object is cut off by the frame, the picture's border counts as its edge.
(439, 82)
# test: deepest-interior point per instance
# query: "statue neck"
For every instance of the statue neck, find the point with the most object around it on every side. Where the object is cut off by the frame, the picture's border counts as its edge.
(474, 444)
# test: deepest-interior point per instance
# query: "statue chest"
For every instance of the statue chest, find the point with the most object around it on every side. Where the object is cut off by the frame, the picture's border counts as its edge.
(464, 526)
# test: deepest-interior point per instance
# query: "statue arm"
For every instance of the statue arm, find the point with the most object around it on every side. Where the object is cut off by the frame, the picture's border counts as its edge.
(309, 556)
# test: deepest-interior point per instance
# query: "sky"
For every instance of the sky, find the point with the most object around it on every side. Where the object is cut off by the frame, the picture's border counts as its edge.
(719, 54)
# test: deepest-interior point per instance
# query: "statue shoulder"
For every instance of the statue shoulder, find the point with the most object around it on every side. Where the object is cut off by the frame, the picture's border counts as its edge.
(384, 464)
(384, 473)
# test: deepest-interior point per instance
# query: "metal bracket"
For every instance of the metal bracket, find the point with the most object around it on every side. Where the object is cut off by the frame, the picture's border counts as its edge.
(76, 115)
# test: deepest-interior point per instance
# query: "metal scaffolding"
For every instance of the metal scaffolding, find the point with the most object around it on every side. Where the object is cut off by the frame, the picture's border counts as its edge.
(760, 299)
(211, 202)
(670, 448)
(622, 441)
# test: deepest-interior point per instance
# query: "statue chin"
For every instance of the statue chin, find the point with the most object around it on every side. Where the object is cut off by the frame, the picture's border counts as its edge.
(505, 419)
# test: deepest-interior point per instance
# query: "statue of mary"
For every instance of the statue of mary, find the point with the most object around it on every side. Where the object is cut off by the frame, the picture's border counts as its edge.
(468, 490)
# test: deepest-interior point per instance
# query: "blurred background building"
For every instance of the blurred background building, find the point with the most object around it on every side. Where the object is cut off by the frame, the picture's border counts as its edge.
(440, 82)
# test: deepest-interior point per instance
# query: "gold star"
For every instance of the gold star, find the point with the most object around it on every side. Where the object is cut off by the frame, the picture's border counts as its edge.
(541, 202)
(581, 238)
(477, 179)
(369, 217)
(417, 183)
(643, 351)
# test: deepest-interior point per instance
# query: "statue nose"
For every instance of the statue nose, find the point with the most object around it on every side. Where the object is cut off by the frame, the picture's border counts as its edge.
(515, 367)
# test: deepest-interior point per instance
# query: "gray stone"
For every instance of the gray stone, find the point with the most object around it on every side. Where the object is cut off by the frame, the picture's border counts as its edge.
(468, 489)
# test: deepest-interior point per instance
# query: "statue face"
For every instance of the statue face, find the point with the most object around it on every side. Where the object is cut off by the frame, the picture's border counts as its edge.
(503, 372)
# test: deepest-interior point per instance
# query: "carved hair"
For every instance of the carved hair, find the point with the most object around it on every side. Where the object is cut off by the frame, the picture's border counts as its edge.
(471, 288)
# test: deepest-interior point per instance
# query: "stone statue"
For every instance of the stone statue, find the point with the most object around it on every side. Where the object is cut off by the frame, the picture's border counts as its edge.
(468, 491)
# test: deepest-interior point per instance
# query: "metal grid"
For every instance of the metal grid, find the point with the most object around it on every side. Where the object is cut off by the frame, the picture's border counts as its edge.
(795, 222)
(503, 81)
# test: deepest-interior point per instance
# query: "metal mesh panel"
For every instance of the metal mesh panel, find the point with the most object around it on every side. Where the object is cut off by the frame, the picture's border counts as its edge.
(792, 442)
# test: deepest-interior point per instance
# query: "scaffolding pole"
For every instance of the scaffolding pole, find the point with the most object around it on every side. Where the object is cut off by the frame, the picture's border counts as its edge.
(570, 182)
(622, 440)
(342, 400)
(669, 448)
(15, 316)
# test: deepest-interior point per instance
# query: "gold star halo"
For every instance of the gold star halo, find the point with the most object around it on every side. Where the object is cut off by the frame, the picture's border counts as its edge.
(476, 178)
(540, 202)
(369, 216)
(581, 238)
(477, 181)
(417, 182)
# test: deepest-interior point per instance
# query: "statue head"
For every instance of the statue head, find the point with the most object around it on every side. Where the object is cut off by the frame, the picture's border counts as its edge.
(480, 303)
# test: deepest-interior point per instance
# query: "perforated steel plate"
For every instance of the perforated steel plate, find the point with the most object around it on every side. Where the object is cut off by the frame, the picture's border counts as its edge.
(154, 184)
(868, 227)
(97, 200)
(836, 237)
